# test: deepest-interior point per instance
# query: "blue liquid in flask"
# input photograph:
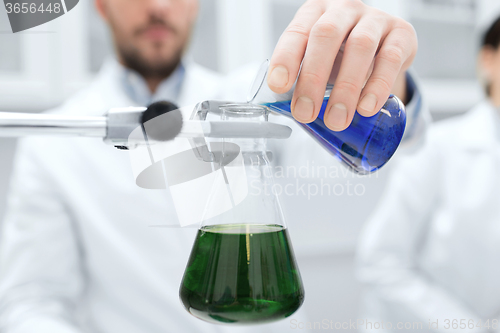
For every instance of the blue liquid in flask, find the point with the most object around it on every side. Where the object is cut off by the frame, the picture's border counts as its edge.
(367, 144)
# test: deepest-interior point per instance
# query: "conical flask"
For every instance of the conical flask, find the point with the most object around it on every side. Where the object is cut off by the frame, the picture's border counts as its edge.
(242, 268)
(365, 146)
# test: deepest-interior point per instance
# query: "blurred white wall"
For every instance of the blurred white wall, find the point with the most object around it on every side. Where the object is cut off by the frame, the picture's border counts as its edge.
(43, 66)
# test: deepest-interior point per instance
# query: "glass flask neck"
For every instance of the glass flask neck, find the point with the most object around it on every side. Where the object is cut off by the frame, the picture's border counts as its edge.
(247, 113)
(248, 178)
(260, 93)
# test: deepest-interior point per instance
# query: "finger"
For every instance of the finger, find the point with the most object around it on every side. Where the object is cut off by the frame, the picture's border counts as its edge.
(324, 43)
(396, 51)
(287, 56)
(360, 49)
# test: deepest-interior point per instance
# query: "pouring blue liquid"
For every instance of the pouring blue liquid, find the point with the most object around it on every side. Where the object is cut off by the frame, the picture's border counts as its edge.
(367, 144)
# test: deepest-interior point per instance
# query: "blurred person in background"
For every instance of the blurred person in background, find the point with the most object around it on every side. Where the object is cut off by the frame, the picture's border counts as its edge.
(431, 250)
(76, 253)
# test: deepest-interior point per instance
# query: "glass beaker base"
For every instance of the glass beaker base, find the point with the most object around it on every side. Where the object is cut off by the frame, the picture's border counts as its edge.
(242, 274)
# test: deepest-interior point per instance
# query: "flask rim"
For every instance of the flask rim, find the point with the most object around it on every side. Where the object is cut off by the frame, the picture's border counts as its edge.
(244, 110)
(258, 81)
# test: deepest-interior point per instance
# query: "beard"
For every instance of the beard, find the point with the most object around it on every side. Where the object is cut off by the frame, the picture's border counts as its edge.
(158, 69)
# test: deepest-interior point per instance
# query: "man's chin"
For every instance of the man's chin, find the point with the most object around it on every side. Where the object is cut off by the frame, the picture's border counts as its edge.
(157, 57)
(162, 45)
(160, 63)
(161, 68)
(152, 61)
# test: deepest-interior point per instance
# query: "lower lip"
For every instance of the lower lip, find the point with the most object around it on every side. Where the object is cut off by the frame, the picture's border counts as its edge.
(156, 33)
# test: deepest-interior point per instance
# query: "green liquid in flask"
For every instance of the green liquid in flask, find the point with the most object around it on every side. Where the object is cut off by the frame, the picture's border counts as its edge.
(242, 274)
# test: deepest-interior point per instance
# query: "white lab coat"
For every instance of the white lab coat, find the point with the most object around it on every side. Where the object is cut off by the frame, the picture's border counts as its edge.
(431, 250)
(77, 253)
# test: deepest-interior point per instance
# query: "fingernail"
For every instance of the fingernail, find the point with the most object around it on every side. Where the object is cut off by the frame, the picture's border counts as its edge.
(278, 77)
(304, 109)
(368, 103)
(337, 117)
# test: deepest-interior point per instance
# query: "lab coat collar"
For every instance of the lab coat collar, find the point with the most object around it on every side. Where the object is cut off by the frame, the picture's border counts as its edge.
(480, 127)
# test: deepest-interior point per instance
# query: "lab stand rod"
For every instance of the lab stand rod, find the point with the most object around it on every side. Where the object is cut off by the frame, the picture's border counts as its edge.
(14, 124)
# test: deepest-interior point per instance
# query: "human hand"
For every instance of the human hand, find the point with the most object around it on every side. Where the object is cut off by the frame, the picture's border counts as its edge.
(378, 48)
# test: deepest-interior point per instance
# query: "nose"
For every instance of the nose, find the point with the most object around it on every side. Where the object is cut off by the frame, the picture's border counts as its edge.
(159, 4)
(158, 8)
